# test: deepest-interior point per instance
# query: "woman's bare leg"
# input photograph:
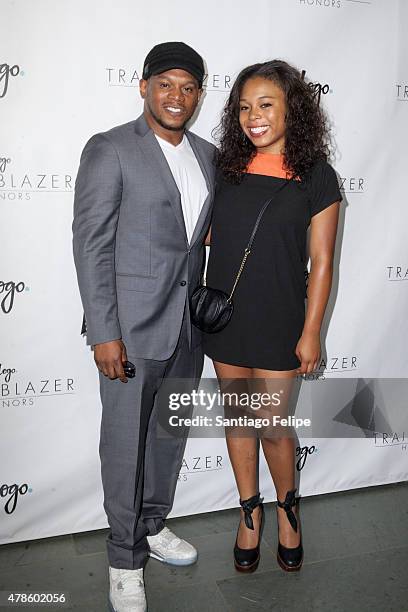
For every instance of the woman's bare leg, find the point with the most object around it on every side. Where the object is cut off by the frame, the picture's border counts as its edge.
(280, 451)
(243, 453)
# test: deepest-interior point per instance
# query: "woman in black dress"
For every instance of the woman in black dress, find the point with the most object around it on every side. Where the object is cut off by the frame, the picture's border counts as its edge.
(272, 130)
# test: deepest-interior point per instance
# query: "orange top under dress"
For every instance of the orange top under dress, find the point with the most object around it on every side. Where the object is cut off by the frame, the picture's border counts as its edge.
(268, 164)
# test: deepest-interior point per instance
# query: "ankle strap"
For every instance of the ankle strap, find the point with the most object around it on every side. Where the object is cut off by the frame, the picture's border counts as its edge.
(290, 501)
(249, 506)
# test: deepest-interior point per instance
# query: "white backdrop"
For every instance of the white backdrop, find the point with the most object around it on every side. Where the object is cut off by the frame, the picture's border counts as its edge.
(70, 69)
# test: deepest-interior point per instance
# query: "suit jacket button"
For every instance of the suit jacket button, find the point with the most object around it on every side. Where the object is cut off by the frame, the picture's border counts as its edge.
(183, 283)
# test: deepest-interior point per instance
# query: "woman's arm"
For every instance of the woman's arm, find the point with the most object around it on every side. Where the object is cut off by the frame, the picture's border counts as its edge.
(323, 230)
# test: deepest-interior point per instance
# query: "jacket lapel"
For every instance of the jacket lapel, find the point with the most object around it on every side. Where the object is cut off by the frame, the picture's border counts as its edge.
(206, 168)
(157, 159)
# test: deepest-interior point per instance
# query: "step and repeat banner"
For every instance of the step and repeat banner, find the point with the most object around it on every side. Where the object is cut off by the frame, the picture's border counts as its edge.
(71, 68)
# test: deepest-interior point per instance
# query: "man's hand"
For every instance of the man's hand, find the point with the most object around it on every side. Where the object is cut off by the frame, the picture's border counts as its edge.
(109, 358)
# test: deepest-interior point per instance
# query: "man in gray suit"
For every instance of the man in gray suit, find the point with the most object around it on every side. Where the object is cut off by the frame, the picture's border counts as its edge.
(142, 208)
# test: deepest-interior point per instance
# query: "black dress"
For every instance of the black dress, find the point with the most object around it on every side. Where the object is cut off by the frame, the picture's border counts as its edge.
(269, 301)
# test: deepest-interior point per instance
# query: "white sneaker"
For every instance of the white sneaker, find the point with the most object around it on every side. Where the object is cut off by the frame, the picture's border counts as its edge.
(126, 591)
(168, 548)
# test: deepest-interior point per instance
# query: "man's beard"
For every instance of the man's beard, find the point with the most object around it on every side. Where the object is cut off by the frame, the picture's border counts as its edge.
(165, 125)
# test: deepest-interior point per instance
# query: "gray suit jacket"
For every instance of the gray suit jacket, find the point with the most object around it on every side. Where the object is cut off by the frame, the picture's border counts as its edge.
(135, 267)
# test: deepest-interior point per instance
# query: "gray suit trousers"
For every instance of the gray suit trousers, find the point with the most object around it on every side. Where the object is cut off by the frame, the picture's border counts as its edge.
(139, 469)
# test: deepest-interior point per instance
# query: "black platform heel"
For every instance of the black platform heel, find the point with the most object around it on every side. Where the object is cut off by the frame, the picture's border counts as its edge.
(290, 559)
(247, 559)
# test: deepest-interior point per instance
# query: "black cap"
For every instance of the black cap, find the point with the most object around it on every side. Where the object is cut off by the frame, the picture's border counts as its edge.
(169, 55)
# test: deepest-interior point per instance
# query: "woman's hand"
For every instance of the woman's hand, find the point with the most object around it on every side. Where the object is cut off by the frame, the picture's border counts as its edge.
(308, 352)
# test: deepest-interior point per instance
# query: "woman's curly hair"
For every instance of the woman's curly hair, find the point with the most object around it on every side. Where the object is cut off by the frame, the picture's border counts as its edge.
(306, 135)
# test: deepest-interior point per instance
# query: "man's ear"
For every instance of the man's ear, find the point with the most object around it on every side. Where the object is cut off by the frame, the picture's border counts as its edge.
(142, 87)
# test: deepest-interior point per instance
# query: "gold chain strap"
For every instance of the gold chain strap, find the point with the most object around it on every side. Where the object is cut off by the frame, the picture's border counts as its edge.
(248, 248)
(247, 252)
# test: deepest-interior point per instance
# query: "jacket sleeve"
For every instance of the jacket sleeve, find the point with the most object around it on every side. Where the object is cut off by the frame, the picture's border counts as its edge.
(98, 194)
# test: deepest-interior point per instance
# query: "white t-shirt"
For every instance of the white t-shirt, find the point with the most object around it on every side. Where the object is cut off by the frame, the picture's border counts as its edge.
(189, 179)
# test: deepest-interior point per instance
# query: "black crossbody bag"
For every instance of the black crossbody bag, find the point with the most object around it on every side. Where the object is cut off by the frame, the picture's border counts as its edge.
(211, 309)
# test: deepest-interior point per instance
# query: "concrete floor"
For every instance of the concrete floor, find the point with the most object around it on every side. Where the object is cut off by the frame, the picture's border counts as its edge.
(356, 559)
